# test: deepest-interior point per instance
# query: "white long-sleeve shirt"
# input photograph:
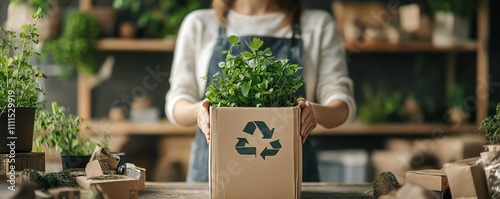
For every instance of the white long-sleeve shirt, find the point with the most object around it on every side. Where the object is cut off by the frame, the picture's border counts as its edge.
(324, 66)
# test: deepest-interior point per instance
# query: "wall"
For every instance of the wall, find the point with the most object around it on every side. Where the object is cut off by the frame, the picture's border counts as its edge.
(395, 71)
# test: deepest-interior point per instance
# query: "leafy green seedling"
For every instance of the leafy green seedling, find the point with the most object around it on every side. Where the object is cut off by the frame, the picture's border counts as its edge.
(253, 78)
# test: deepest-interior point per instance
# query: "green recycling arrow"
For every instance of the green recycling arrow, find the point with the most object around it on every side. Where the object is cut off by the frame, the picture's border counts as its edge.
(249, 128)
(266, 133)
(242, 150)
(271, 152)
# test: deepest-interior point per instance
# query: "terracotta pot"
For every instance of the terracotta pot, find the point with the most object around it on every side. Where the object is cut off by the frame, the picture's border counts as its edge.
(127, 30)
(21, 123)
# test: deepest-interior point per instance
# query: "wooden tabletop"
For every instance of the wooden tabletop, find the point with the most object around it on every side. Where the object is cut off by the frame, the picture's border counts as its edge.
(156, 190)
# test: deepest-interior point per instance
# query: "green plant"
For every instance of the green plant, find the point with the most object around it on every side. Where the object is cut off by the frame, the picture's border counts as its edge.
(44, 5)
(458, 7)
(159, 18)
(75, 49)
(57, 128)
(490, 127)
(19, 85)
(457, 97)
(253, 78)
(381, 106)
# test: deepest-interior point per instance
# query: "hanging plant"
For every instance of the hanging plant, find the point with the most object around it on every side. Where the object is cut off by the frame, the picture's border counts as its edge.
(75, 50)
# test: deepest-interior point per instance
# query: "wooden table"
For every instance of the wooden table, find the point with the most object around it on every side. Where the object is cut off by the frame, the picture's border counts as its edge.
(156, 190)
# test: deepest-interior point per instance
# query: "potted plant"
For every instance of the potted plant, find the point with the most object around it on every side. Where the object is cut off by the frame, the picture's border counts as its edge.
(382, 106)
(157, 19)
(457, 113)
(254, 79)
(451, 21)
(253, 118)
(75, 49)
(20, 12)
(63, 131)
(19, 87)
(490, 127)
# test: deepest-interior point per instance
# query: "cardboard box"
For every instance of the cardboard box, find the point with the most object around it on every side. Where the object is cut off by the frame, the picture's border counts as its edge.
(100, 154)
(255, 153)
(467, 179)
(97, 168)
(141, 183)
(432, 179)
(122, 187)
(29, 160)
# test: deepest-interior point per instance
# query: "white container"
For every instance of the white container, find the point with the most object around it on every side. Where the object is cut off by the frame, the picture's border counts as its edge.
(343, 166)
(450, 29)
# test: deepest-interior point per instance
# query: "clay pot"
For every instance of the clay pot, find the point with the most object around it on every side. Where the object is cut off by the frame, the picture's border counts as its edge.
(127, 30)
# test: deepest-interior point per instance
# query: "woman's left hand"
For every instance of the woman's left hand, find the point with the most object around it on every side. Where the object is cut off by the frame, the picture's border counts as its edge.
(307, 118)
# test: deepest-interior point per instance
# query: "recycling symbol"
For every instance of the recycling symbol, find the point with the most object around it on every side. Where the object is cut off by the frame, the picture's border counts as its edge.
(266, 134)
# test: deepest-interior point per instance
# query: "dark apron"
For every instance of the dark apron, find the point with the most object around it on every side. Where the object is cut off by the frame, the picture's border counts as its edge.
(289, 48)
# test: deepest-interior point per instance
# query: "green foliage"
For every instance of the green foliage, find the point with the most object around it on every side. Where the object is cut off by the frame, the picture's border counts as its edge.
(253, 79)
(75, 48)
(381, 106)
(490, 127)
(44, 5)
(462, 8)
(62, 131)
(160, 18)
(19, 85)
(457, 97)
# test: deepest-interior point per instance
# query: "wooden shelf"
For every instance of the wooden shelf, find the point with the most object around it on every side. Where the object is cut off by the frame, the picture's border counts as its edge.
(151, 45)
(168, 45)
(164, 127)
(409, 47)
(395, 129)
(147, 128)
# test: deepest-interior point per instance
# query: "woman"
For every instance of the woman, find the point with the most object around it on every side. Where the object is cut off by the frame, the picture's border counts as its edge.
(308, 38)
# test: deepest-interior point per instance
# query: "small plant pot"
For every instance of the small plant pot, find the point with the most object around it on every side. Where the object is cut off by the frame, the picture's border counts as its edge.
(21, 123)
(492, 148)
(74, 161)
(450, 29)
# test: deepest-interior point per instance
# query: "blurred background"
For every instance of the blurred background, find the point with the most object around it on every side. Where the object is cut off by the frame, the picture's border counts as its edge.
(425, 74)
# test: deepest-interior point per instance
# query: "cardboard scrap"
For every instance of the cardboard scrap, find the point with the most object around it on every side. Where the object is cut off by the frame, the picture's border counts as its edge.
(102, 155)
(100, 172)
(431, 179)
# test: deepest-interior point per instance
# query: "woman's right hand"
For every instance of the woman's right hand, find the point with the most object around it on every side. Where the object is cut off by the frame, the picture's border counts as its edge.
(204, 118)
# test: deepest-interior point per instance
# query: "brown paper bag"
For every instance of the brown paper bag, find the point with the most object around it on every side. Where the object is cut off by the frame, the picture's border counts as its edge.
(467, 179)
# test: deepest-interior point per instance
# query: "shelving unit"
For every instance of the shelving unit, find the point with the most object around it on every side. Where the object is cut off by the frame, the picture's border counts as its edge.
(164, 127)
(175, 146)
(150, 45)
(409, 47)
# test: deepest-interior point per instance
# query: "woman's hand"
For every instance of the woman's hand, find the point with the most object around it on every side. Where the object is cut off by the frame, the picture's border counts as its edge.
(307, 118)
(204, 118)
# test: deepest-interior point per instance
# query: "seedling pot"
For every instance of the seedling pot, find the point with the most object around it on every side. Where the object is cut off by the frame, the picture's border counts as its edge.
(74, 161)
(18, 137)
